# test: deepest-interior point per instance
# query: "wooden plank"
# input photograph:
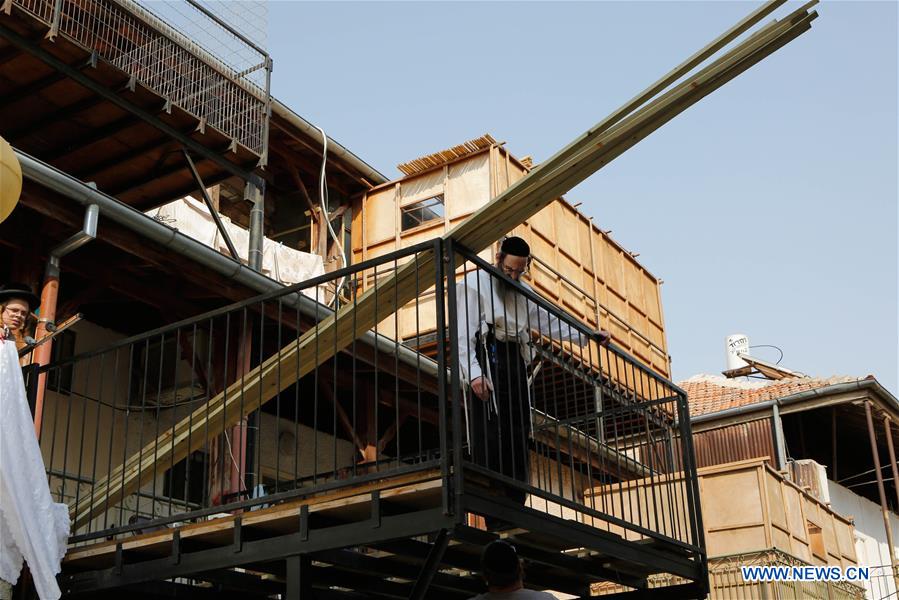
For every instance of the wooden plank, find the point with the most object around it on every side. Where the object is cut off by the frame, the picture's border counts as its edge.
(589, 153)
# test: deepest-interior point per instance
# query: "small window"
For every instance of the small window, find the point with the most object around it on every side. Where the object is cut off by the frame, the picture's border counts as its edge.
(422, 212)
(816, 539)
(59, 380)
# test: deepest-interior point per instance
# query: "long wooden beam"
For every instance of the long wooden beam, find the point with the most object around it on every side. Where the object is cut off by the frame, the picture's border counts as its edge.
(589, 153)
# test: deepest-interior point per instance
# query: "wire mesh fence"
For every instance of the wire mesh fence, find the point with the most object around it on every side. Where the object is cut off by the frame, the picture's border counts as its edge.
(184, 51)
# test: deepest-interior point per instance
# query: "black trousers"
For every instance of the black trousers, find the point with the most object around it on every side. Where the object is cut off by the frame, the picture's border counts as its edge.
(499, 442)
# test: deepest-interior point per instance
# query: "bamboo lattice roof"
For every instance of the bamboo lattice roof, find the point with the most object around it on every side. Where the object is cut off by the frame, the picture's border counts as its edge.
(444, 156)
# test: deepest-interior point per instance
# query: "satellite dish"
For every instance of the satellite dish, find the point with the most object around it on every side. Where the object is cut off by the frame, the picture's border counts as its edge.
(10, 179)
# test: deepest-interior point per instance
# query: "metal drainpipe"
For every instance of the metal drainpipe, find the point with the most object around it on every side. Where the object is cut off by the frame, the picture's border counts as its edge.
(243, 434)
(880, 490)
(49, 295)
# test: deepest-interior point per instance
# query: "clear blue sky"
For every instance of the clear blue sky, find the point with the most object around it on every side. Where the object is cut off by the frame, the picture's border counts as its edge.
(769, 208)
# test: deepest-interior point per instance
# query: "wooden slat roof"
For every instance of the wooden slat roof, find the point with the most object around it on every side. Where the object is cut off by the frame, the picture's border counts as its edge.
(444, 156)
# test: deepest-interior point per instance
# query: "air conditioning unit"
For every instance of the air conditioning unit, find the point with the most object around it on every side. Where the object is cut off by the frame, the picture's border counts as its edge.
(807, 473)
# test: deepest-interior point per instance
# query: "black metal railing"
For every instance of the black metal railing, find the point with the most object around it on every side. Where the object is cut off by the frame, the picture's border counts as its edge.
(209, 414)
(570, 427)
(253, 404)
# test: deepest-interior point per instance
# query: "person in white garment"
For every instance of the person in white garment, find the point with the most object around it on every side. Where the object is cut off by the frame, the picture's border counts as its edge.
(32, 527)
(504, 574)
(495, 321)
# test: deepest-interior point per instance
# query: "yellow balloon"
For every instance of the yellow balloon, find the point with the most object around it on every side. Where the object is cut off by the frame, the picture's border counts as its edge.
(10, 179)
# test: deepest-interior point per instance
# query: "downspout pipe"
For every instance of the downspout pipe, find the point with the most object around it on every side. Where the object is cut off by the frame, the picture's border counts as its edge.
(41, 173)
(49, 296)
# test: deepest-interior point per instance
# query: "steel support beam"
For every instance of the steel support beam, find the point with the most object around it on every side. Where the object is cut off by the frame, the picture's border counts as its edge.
(581, 536)
(430, 567)
(212, 209)
(257, 551)
(114, 98)
(299, 578)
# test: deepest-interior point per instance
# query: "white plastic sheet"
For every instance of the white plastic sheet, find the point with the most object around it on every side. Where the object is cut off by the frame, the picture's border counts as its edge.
(32, 526)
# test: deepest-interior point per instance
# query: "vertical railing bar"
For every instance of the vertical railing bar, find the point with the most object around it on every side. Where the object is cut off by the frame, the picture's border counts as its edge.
(396, 362)
(177, 359)
(143, 412)
(374, 407)
(224, 442)
(256, 420)
(448, 275)
(439, 337)
(112, 437)
(84, 402)
(354, 434)
(570, 387)
(190, 410)
(315, 432)
(334, 397)
(243, 351)
(125, 437)
(208, 466)
(654, 476)
(593, 391)
(258, 435)
(668, 468)
(296, 403)
(158, 415)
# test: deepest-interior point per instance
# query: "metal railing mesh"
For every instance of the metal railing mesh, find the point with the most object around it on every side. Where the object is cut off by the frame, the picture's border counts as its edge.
(226, 81)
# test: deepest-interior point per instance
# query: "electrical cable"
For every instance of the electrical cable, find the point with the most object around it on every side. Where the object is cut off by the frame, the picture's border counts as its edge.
(323, 200)
(771, 346)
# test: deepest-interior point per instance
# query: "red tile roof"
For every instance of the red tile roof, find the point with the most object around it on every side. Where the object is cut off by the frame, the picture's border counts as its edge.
(713, 393)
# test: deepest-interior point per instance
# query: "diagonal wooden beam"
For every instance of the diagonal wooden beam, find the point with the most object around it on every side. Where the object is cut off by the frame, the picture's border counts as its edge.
(589, 153)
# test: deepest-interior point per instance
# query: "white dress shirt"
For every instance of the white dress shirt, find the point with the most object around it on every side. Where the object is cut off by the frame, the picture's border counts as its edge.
(481, 302)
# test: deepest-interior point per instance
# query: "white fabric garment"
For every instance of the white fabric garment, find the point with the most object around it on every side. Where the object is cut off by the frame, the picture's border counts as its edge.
(481, 302)
(32, 526)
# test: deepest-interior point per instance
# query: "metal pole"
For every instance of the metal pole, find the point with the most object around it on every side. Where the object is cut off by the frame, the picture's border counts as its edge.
(893, 465)
(883, 498)
(211, 207)
(257, 221)
(779, 441)
(49, 295)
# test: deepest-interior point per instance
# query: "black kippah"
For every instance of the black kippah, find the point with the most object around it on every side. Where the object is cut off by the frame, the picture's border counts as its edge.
(500, 558)
(515, 246)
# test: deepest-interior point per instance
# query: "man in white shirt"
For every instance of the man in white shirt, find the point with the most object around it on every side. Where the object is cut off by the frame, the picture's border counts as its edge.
(494, 337)
(502, 570)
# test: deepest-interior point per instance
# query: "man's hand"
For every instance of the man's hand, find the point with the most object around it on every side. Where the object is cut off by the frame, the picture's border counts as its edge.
(604, 337)
(4, 332)
(481, 388)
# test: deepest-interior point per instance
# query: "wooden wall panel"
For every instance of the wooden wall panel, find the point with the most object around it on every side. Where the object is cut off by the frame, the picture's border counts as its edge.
(380, 216)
